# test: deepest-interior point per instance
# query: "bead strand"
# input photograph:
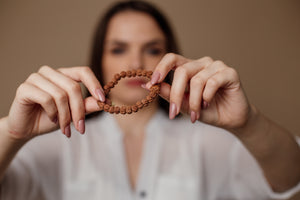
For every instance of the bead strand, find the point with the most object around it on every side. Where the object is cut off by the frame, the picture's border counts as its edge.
(154, 91)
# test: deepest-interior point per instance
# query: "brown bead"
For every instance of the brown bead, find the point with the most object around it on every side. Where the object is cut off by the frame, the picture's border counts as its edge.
(117, 109)
(123, 74)
(111, 84)
(149, 98)
(106, 107)
(153, 94)
(133, 73)
(111, 110)
(106, 91)
(149, 74)
(144, 72)
(123, 110)
(134, 108)
(144, 101)
(128, 74)
(139, 72)
(139, 104)
(117, 77)
(105, 87)
(115, 81)
(101, 105)
(128, 110)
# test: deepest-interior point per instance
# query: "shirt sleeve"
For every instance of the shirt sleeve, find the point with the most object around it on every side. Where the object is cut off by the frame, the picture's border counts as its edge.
(248, 177)
(34, 172)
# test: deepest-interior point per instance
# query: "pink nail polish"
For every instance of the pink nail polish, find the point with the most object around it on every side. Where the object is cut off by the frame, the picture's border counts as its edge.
(81, 126)
(100, 95)
(68, 131)
(155, 77)
(143, 86)
(193, 116)
(172, 111)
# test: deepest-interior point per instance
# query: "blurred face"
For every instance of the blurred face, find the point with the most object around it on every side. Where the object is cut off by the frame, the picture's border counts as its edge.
(133, 41)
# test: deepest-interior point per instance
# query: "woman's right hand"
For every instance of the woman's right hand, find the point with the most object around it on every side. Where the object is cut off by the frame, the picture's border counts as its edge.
(50, 99)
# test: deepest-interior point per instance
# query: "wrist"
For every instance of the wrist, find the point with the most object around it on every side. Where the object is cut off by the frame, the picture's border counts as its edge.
(8, 135)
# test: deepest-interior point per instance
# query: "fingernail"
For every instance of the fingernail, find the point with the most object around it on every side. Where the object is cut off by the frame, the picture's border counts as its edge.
(100, 94)
(81, 126)
(155, 77)
(172, 111)
(68, 131)
(143, 86)
(193, 116)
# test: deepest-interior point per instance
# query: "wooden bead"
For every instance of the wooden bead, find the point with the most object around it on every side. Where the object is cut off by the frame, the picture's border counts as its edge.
(128, 74)
(144, 73)
(133, 73)
(123, 110)
(117, 77)
(106, 107)
(117, 109)
(139, 104)
(139, 72)
(101, 105)
(110, 84)
(128, 110)
(123, 74)
(134, 108)
(111, 110)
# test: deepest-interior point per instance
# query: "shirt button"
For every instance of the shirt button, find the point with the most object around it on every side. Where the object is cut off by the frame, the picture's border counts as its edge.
(143, 194)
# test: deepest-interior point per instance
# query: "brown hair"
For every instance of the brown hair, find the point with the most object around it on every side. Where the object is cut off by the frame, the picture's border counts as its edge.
(101, 29)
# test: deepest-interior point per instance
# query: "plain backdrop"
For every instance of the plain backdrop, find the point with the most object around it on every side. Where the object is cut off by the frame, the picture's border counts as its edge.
(261, 39)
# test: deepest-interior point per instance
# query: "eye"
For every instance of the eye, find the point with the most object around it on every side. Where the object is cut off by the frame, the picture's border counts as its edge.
(117, 50)
(154, 51)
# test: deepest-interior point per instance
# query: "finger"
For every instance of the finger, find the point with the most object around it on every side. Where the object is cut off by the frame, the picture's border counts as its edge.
(30, 94)
(91, 105)
(181, 78)
(88, 78)
(197, 85)
(73, 90)
(226, 79)
(169, 61)
(59, 95)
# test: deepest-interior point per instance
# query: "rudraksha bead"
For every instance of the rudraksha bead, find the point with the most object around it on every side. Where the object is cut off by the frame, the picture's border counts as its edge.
(154, 90)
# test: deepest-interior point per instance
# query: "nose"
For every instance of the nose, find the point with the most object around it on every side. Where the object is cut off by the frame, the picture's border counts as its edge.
(136, 60)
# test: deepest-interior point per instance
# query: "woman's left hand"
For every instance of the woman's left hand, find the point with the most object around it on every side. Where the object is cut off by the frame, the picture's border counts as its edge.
(208, 90)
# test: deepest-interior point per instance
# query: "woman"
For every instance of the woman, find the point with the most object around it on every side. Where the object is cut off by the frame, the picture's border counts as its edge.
(143, 155)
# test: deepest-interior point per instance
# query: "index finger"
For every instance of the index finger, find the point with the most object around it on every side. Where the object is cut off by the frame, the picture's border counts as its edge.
(168, 62)
(87, 77)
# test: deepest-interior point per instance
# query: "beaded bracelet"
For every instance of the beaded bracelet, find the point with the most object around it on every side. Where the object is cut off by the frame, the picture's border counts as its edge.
(108, 107)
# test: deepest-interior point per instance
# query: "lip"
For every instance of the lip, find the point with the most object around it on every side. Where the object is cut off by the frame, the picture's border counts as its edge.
(137, 82)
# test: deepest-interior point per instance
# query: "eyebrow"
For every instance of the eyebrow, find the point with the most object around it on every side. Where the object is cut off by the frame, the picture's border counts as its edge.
(123, 43)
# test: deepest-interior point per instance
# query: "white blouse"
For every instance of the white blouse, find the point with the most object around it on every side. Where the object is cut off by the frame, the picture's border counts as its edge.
(180, 160)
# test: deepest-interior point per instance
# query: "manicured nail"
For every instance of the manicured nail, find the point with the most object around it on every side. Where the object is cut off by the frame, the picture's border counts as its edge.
(172, 111)
(68, 131)
(143, 86)
(81, 126)
(100, 94)
(193, 116)
(155, 77)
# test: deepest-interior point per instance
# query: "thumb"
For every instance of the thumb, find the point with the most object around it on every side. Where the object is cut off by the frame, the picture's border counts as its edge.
(91, 105)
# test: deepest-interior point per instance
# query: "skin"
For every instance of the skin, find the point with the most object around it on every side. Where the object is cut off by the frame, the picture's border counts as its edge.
(51, 98)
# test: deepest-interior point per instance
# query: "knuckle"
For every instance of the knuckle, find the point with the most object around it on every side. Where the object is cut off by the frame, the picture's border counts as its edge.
(219, 63)
(47, 100)
(181, 71)
(194, 105)
(32, 77)
(212, 82)
(74, 87)
(44, 68)
(170, 56)
(20, 89)
(207, 59)
(197, 80)
(61, 96)
(85, 69)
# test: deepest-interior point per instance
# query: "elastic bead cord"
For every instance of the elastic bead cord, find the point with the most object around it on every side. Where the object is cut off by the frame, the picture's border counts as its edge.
(154, 91)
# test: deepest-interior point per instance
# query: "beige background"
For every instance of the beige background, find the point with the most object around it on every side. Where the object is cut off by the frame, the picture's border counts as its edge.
(261, 39)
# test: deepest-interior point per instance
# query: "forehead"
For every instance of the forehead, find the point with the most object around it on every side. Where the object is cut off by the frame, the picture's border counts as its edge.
(132, 26)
